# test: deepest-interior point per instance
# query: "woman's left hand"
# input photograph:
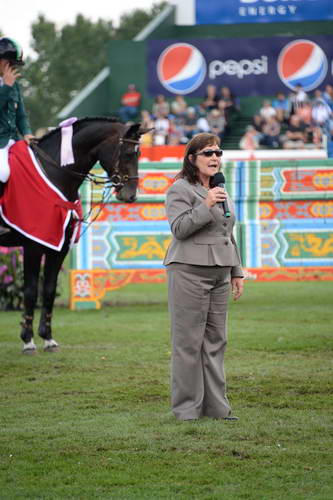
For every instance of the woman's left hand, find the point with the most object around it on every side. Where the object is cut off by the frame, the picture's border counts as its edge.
(28, 138)
(237, 287)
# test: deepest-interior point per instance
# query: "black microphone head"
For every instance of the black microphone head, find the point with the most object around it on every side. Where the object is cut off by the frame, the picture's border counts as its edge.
(218, 179)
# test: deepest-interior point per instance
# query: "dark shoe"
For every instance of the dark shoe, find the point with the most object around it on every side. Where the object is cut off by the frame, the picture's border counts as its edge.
(4, 230)
(231, 418)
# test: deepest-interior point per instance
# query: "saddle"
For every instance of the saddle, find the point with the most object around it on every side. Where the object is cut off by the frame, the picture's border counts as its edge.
(32, 205)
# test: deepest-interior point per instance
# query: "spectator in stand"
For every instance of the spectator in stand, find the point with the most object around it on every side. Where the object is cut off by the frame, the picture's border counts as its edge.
(190, 123)
(227, 103)
(161, 132)
(249, 141)
(147, 122)
(175, 134)
(267, 110)
(146, 119)
(322, 109)
(328, 95)
(211, 98)
(161, 106)
(202, 124)
(304, 112)
(271, 133)
(328, 98)
(295, 136)
(216, 122)
(130, 104)
(298, 97)
(179, 125)
(321, 112)
(257, 122)
(317, 137)
(200, 109)
(282, 106)
(178, 106)
(301, 95)
(318, 94)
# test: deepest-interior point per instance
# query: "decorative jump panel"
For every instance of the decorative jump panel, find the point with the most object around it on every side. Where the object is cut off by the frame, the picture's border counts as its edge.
(285, 223)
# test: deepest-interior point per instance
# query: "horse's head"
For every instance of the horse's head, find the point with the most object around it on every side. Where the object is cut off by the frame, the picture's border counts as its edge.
(121, 163)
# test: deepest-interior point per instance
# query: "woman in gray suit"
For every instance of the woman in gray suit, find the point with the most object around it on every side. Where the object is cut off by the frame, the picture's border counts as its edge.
(202, 263)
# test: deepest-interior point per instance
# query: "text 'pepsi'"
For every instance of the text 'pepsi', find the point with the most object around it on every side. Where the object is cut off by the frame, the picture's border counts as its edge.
(238, 68)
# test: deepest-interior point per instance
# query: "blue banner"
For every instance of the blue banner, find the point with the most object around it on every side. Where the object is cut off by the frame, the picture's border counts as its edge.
(248, 66)
(261, 11)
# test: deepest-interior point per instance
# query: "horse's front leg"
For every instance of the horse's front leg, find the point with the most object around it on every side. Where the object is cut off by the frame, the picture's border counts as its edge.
(32, 260)
(53, 263)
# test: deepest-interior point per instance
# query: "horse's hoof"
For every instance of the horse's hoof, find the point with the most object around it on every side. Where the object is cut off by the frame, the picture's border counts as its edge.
(51, 348)
(29, 351)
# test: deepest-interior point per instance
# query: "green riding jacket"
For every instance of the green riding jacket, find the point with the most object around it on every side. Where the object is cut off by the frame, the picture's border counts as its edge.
(13, 117)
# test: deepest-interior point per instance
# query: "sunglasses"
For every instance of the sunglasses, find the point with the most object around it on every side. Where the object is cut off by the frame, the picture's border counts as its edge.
(210, 152)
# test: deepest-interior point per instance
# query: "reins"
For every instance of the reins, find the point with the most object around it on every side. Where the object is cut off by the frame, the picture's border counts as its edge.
(91, 177)
(116, 180)
(51, 161)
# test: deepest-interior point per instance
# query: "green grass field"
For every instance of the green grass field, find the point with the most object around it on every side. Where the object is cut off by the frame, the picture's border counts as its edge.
(93, 421)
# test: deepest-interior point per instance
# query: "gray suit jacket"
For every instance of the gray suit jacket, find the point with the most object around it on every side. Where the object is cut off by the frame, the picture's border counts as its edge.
(201, 236)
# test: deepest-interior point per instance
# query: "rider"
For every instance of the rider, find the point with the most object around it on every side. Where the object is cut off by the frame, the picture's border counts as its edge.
(13, 118)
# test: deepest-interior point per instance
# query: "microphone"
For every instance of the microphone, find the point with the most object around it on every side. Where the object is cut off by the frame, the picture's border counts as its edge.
(219, 180)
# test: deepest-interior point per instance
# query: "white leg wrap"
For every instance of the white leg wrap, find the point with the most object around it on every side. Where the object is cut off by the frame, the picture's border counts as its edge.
(50, 343)
(29, 346)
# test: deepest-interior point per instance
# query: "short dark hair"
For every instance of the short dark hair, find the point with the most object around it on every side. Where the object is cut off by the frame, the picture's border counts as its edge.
(189, 171)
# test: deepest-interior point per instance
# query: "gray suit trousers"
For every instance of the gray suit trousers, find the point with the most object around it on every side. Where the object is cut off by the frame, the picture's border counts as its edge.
(198, 303)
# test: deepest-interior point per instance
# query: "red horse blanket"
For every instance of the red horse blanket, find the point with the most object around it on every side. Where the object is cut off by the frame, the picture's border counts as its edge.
(32, 205)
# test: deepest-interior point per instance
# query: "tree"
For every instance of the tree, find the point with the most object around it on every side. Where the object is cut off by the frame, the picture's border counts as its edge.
(66, 61)
(132, 23)
(69, 58)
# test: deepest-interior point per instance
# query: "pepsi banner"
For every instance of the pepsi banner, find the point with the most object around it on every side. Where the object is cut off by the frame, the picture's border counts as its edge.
(248, 66)
(261, 11)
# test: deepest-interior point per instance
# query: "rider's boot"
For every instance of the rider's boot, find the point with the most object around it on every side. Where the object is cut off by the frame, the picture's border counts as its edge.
(3, 230)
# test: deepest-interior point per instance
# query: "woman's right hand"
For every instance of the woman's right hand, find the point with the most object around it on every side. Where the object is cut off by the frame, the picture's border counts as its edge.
(10, 74)
(215, 195)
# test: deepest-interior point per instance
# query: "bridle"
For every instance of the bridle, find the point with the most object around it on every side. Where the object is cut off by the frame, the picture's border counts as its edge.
(117, 179)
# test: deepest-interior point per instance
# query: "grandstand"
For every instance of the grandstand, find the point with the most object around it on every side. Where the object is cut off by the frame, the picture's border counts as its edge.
(230, 36)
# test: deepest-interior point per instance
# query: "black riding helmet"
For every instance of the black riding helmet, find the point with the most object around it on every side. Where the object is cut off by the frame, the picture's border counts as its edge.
(11, 51)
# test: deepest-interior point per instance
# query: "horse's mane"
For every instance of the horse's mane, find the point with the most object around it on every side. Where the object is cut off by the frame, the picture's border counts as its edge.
(110, 119)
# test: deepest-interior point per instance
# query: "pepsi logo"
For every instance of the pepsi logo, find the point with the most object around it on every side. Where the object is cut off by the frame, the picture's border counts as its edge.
(181, 68)
(302, 62)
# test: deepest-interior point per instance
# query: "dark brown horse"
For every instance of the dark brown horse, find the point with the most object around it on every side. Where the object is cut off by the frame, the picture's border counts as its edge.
(116, 147)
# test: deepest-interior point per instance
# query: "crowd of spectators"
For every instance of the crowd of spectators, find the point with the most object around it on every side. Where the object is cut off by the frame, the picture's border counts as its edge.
(175, 122)
(293, 121)
(296, 121)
